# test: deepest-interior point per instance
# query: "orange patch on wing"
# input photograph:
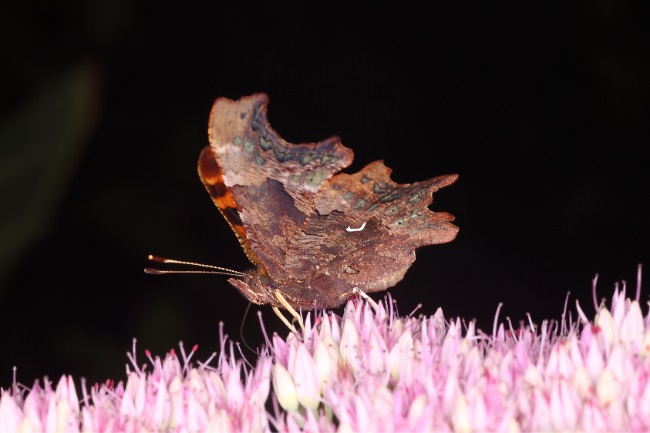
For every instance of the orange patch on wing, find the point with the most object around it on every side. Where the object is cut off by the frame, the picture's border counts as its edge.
(240, 232)
(210, 173)
(226, 201)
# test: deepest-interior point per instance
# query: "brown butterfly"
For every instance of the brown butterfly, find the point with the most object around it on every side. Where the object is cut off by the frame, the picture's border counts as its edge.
(315, 236)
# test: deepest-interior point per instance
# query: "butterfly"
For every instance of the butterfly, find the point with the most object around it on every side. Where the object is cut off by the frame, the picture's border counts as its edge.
(314, 235)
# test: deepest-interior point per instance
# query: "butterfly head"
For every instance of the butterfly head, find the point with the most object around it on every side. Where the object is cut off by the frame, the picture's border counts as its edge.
(259, 288)
(252, 286)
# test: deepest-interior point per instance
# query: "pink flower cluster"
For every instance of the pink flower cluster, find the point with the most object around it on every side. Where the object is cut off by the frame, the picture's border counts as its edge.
(174, 397)
(373, 370)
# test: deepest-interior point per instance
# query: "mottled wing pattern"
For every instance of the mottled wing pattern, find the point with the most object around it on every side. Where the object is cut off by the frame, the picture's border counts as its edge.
(367, 229)
(264, 186)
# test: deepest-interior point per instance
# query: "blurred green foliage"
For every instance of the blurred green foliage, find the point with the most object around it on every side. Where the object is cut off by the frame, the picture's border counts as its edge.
(51, 83)
(42, 141)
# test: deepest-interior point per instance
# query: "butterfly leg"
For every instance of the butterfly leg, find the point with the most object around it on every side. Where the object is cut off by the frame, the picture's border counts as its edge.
(292, 328)
(289, 308)
(368, 299)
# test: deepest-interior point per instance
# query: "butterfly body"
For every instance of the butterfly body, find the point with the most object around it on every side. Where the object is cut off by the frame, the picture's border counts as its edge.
(313, 234)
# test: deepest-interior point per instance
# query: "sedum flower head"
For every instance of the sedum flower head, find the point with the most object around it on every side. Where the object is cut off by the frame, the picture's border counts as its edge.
(166, 395)
(374, 370)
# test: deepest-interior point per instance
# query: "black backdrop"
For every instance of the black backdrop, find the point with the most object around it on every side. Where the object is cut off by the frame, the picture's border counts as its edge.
(542, 113)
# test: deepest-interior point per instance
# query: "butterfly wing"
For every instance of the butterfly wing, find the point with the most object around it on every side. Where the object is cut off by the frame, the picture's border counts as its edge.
(263, 186)
(368, 228)
(316, 234)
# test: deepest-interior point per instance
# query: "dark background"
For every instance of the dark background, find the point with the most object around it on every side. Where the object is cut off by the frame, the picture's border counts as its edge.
(542, 112)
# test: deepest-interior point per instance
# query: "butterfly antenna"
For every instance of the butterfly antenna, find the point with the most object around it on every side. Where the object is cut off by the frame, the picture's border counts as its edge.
(217, 269)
